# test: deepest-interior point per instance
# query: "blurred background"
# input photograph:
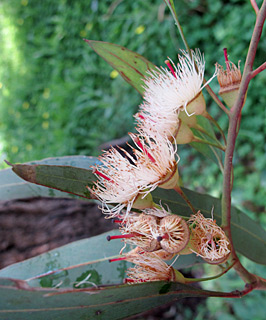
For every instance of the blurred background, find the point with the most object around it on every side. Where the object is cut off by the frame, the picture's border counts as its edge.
(57, 97)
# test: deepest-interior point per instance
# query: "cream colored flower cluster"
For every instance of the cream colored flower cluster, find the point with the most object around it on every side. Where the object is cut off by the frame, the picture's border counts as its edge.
(159, 235)
(125, 181)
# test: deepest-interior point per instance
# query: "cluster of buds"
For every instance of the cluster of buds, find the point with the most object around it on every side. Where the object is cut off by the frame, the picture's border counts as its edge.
(172, 100)
(159, 235)
(150, 232)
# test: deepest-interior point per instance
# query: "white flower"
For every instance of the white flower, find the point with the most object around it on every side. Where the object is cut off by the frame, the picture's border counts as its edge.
(117, 183)
(153, 120)
(174, 233)
(140, 230)
(157, 212)
(156, 163)
(149, 267)
(172, 90)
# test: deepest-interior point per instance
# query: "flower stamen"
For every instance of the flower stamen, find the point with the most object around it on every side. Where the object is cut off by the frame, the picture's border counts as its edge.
(167, 62)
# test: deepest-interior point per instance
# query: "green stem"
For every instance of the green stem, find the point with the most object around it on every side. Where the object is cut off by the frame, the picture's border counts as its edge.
(171, 6)
(219, 146)
(190, 280)
(234, 117)
(199, 128)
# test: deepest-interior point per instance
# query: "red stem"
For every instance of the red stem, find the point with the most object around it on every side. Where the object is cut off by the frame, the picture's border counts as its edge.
(255, 6)
(234, 117)
(258, 70)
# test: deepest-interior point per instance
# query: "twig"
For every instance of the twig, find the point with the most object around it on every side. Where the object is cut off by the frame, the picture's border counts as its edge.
(255, 6)
(171, 6)
(258, 70)
(181, 193)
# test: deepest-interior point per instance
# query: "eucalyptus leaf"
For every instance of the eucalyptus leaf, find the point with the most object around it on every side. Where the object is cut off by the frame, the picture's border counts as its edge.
(131, 65)
(115, 302)
(13, 187)
(65, 265)
(72, 280)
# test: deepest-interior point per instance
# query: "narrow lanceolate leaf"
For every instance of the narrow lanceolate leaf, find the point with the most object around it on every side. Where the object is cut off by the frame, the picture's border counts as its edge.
(18, 302)
(74, 282)
(69, 264)
(249, 238)
(64, 178)
(131, 65)
(13, 187)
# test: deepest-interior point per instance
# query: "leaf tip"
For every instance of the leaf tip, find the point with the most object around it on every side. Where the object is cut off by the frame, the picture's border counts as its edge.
(8, 163)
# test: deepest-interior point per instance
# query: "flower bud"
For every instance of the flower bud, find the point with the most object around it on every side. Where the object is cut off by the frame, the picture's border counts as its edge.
(183, 134)
(197, 105)
(170, 180)
(229, 80)
(174, 233)
(143, 201)
(190, 121)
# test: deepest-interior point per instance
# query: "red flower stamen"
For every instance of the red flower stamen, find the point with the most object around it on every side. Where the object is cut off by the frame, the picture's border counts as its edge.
(226, 59)
(95, 171)
(141, 146)
(167, 62)
(121, 236)
(141, 116)
(128, 280)
(117, 259)
(117, 221)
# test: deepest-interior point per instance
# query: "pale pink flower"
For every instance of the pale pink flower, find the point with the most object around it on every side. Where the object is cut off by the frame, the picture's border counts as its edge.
(140, 230)
(156, 162)
(117, 183)
(149, 267)
(153, 121)
(208, 240)
(169, 91)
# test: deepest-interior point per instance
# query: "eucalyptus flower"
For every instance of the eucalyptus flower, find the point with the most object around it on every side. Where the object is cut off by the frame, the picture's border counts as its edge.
(117, 186)
(140, 230)
(156, 161)
(229, 80)
(180, 88)
(149, 267)
(208, 240)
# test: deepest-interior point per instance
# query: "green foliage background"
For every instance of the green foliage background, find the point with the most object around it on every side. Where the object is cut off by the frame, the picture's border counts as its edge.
(59, 98)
